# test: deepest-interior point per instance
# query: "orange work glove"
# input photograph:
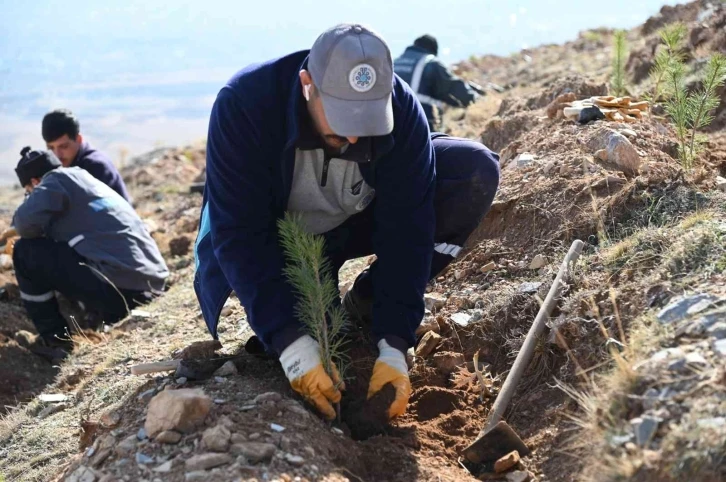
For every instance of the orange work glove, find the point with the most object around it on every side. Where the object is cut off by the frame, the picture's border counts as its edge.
(391, 368)
(303, 367)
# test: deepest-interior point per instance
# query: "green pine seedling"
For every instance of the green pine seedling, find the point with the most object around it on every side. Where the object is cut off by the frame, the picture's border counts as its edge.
(617, 81)
(310, 274)
(691, 111)
(672, 37)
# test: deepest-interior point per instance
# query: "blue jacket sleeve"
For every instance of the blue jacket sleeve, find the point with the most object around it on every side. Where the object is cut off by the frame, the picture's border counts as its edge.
(107, 175)
(403, 236)
(48, 200)
(243, 223)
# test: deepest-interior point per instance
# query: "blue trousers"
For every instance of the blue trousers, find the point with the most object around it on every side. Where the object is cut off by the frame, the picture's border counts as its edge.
(467, 178)
(44, 266)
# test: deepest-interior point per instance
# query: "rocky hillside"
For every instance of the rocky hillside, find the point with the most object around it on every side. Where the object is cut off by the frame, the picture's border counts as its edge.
(626, 384)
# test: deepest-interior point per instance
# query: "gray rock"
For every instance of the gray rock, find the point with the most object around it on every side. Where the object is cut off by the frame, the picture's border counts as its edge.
(181, 380)
(207, 461)
(517, 476)
(719, 347)
(147, 395)
(623, 153)
(143, 458)
(644, 428)
(461, 319)
(721, 183)
(685, 306)
(476, 315)
(277, 428)
(666, 354)
(195, 475)
(164, 468)
(268, 397)
(619, 440)
(294, 460)
(220, 379)
(255, 452)
(141, 434)
(82, 474)
(127, 446)
(226, 370)
(696, 359)
(216, 438)
(718, 330)
(538, 262)
(52, 409)
(434, 301)
(529, 287)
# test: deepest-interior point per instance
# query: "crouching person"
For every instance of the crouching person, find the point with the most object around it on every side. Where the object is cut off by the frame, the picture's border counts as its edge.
(82, 239)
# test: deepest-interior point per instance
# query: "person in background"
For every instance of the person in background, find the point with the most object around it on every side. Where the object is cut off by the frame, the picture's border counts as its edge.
(82, 239)
(62, 135)
(432, 82)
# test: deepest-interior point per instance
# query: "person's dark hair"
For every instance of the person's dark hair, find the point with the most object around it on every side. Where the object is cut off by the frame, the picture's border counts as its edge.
(428, 43)
(35, 164)
(59, 122)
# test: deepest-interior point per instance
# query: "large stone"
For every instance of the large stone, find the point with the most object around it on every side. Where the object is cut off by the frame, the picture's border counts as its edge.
(507, 462)
(623, 153)
(255, 452)
(183, 410)
(684, 306)
(428, 343)
(294, 460)
(126, 446)
(207, 461)
(216, 438)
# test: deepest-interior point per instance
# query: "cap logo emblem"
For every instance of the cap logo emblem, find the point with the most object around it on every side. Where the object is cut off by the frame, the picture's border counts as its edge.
(362, 78)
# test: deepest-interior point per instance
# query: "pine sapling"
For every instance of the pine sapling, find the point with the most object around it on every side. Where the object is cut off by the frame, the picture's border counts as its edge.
(620, 53)
(702, 102)
(310, 274)
(672, 36)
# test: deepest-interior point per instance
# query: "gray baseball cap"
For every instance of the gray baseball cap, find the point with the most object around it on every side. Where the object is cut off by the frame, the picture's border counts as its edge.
(352, 70)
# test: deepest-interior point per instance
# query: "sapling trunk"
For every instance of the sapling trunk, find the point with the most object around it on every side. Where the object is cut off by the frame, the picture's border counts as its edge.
(317, 307)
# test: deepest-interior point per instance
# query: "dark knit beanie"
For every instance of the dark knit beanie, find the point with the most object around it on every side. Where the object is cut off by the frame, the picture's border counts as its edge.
(35, 164)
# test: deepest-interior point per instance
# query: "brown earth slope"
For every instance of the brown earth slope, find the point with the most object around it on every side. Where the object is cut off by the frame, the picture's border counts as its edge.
(627, 384)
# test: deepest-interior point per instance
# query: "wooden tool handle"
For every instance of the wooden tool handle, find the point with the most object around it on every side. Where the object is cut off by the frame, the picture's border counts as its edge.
(162, 366)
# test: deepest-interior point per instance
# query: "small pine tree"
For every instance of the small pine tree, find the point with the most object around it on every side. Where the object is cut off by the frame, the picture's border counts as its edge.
(310, 274)
(691, 111)
(672, 36)
(617, 82)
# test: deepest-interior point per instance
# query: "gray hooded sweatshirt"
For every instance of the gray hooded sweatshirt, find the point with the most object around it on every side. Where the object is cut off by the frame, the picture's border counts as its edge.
(71, 206)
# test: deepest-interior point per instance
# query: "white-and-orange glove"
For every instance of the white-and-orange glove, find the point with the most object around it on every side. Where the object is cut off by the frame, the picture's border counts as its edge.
(391, 368)
(304, 368)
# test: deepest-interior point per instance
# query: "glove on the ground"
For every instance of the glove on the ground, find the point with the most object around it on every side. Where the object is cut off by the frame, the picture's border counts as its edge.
(391, 368)
(304, 368)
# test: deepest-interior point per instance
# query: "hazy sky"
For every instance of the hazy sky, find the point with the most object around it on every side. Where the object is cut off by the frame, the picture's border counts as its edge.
(143, 72)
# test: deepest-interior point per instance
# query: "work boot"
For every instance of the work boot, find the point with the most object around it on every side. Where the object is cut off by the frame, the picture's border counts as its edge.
(52, 348)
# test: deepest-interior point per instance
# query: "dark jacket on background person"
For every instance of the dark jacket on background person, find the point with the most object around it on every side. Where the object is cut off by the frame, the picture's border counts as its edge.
(102, 168)
(71, 206)
(253, 133)
(437, 85)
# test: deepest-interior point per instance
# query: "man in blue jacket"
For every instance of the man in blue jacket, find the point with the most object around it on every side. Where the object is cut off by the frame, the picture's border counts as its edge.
(61, 132)
(333, 135)
(432, 82)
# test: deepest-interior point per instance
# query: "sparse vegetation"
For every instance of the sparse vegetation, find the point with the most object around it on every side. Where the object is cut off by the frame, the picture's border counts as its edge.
(620, 55)
(672, 37)
(310, 273)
